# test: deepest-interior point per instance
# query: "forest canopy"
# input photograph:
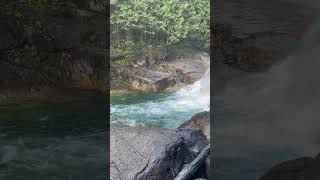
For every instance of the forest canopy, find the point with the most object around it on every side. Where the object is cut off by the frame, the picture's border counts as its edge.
(160, 22)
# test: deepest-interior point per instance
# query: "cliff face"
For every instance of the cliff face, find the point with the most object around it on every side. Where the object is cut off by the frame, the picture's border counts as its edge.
(253, 35)
(56, 43)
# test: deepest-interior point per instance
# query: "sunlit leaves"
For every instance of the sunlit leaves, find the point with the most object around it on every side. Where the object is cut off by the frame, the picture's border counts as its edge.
(177, 19)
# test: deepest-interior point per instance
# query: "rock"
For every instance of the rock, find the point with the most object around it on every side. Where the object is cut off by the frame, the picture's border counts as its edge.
(148, 59)
(151, 72)
(152, 153)
(201, 121)
(70, 47)
(190, 67)
(141, 62)
(192, 169)
(153, 83)
(298, 169)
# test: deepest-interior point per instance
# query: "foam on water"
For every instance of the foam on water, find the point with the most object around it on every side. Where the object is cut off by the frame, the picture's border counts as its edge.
(169, 111)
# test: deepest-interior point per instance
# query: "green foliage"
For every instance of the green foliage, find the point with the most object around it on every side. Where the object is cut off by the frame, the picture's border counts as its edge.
(115, 51)
(27, 14)
(167, 21)
(27, 10)
(128, 48)
(120, 63)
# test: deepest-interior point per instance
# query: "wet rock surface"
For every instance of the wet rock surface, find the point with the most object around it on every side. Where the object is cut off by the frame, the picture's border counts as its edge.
(151, 81)
(303, 168)
(154, 73)
(152, 153)
(200, 121)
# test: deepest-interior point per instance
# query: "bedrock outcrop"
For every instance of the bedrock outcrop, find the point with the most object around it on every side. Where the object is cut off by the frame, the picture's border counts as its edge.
(155, 72)
(199, 121)
(152, 153)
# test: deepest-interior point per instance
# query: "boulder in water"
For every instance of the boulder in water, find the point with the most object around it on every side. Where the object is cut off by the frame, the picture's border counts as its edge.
(152, 153)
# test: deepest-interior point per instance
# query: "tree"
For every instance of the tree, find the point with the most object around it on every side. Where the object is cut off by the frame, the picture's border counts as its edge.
(160, 21)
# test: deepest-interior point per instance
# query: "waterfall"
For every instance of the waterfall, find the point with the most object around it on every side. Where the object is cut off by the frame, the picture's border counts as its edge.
(280, 107)
(297, 91)
(193, 96)
(169, 111)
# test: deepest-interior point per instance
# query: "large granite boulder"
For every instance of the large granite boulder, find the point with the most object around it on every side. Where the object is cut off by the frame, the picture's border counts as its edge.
(152, 153)
(201, 121)
(298, 169)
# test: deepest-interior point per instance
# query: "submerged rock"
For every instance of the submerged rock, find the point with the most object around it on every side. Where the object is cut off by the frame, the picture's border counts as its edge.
(303, 168)
(152, 153)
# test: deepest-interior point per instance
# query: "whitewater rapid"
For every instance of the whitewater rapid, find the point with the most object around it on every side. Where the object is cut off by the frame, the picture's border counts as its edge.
(169, 111)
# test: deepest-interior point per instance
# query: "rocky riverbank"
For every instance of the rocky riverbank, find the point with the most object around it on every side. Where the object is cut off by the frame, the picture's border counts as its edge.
(62, 44)
(155, 72)
(156, 153)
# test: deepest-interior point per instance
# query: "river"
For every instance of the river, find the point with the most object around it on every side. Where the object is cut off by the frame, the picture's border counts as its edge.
(53, 140)
(166, 110)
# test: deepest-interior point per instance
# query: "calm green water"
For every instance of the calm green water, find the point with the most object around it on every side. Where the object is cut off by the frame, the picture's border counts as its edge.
(53, 140)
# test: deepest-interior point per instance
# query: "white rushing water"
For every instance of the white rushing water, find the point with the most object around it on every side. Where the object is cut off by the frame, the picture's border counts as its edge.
(169, 111)
(266, 119)
(195, 96)
(279, 109)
